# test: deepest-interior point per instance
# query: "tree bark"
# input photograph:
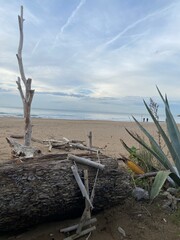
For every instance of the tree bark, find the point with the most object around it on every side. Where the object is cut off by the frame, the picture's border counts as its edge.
(44, 189)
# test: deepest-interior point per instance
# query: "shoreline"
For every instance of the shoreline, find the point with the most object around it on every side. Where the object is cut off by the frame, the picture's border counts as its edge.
(73, 114)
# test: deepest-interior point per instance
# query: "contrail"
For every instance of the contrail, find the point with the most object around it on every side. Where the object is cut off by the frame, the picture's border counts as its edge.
(136, 23)
(69, 20)
(82, 2)
(36, 46)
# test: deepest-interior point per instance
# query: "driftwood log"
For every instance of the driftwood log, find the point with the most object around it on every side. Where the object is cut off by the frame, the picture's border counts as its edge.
(44, 189)
(19, 150)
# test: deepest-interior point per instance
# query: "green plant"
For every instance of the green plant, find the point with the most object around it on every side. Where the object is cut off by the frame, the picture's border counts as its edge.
(154, 109)
(142, 157)
(172, 141)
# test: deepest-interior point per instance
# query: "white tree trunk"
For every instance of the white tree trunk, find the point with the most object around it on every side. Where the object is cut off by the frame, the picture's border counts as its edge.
(29, 93)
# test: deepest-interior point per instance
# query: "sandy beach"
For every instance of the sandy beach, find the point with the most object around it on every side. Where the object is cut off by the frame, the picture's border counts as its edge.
(139, 221)
(106, 134)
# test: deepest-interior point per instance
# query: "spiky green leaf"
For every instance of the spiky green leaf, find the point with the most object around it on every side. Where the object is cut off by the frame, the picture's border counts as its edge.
(171, 149)
(173, 132)
(158, 183)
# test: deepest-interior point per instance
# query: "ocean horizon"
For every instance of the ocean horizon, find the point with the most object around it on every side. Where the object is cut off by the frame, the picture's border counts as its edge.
(79, 115)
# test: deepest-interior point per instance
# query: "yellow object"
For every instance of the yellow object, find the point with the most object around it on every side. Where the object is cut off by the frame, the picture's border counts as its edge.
(134, 167)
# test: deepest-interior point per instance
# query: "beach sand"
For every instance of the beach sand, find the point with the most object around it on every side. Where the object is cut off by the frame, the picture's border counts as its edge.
(139, 221)
(106, 134)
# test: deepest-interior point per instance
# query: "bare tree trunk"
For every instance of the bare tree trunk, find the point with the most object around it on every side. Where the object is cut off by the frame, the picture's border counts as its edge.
(29, 93)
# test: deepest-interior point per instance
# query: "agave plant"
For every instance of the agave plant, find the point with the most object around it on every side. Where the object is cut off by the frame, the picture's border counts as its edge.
(172, 141)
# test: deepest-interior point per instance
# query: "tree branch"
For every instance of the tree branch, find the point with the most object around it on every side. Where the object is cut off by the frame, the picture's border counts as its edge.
(20, 88)
(19, 54)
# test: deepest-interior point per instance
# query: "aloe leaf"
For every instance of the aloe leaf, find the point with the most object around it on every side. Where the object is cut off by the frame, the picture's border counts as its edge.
(162, 97)
(173, 131)
(126, 147)
(169, 117)
(174, 136)
(175, 156)
(161, 155)
(158, 183)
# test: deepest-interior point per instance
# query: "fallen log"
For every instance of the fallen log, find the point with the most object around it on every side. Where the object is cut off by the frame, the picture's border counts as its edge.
(44, 189)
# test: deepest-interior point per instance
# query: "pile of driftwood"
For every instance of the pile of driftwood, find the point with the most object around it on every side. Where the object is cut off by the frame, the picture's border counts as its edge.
(19, 150)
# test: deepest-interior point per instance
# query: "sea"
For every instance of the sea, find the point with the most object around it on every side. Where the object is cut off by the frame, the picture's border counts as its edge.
(79, 115)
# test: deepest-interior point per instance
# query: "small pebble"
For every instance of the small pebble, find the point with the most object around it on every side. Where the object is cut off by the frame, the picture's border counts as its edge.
(140, 194)
(121, 230)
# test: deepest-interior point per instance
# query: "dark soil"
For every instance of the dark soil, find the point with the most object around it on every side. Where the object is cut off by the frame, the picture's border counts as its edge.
(139, 220)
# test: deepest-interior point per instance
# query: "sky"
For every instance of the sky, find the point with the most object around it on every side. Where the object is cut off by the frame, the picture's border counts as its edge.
(93, 55)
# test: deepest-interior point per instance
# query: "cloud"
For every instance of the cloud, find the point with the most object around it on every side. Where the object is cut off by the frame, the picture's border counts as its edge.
(104, 50)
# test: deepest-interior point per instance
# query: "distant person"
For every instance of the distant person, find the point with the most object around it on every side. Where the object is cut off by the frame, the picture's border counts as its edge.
(147, 119)
(143, 119)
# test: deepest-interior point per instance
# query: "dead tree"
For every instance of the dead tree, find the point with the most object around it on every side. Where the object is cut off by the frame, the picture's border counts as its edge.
(28, 93)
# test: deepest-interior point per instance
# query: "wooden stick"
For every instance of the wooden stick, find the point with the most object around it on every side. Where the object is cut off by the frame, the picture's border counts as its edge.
(80, 146)
(85, 161)
(80, 184)
(50, 147)
(83, 219)
(74, 227)
(86, 183)
(87, 213)
(90, 140)
(21, 137)
(145, 175)
(84, 232)
(55, 141)
(94, 185)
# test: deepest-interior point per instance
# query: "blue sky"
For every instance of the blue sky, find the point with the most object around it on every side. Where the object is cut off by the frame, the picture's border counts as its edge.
(96, 55)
